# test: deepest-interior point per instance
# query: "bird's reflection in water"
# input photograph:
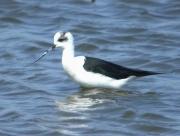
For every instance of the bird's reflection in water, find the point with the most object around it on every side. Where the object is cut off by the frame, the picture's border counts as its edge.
(78, 111)
(89, 99)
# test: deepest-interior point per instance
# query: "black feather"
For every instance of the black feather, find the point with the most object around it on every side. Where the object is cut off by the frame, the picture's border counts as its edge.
(112, 70)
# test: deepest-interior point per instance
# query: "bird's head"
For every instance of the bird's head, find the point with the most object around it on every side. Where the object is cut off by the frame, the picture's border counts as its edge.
(63, 39)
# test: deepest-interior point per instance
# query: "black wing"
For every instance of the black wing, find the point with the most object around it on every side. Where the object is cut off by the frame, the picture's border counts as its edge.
(112, 70)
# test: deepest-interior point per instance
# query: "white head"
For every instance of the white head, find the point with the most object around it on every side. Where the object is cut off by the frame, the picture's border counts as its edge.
(63, 39)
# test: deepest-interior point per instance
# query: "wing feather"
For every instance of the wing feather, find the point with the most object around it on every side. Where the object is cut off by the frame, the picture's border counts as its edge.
(112, 70)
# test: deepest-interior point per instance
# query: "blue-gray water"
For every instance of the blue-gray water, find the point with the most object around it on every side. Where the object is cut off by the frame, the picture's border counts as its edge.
(41, 100)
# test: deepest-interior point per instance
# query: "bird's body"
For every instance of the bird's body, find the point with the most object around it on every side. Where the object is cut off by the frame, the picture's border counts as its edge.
(75, 69)
(93, 72)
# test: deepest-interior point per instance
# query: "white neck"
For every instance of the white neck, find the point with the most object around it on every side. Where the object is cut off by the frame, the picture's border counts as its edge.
(68, 54)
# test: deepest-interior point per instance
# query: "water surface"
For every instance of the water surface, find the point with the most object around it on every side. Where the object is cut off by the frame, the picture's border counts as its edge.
(41, 100)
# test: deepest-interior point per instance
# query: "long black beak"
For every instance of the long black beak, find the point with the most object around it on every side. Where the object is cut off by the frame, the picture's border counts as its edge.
(48, 50)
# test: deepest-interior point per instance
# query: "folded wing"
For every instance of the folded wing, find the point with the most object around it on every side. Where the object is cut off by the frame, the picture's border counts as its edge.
(112, 70)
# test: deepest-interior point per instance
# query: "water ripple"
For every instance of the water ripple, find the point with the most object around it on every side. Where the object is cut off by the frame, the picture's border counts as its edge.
(42, 100)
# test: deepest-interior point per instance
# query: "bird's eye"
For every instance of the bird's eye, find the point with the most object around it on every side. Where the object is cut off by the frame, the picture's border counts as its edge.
(62, 39)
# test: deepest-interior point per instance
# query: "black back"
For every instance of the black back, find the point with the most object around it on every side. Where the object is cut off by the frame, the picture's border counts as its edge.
(112, 70)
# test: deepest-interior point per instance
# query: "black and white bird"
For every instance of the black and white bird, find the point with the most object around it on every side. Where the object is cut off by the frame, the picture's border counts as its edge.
(93, 72)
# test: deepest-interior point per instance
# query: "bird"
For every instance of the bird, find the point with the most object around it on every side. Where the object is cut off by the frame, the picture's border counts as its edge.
(91, 72)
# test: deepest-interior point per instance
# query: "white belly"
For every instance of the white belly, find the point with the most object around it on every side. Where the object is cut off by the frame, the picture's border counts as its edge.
(89, 79)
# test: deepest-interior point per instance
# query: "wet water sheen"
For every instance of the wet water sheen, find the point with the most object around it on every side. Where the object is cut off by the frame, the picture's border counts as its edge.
(41, 100)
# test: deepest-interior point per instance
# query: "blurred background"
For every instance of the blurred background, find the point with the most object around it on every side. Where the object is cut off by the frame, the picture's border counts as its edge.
(41, 100)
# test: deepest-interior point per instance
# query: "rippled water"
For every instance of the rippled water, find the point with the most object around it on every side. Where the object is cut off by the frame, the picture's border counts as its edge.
(41, 100)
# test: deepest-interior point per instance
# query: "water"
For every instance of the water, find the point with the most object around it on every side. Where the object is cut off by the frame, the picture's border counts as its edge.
(41, 100)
